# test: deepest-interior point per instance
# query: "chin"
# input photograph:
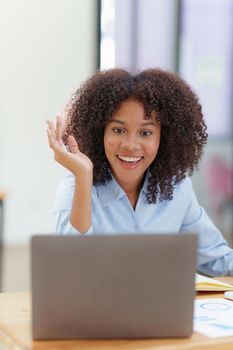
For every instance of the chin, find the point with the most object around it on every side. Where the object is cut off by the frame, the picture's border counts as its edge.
(129, 177)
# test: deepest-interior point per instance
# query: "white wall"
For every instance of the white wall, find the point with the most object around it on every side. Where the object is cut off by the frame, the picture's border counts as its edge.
(47, 47)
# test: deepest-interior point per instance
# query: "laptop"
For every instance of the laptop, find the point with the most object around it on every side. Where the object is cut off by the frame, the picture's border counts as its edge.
(113, 286)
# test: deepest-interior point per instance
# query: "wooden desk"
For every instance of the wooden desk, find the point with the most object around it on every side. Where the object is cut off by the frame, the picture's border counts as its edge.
(15, 332)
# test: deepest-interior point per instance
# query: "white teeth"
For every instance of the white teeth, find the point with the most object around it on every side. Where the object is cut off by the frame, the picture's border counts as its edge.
(130, 159)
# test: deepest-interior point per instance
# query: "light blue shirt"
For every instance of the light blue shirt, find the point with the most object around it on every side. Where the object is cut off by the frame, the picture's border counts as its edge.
(112, 213)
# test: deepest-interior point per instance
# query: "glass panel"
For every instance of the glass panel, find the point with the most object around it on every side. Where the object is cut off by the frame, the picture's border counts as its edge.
(206, 59)
(107, 38)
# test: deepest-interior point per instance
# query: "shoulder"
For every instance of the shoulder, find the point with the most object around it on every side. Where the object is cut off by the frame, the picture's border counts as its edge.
(185, 201)
(184, 190)
(67, 184)
(65, 193)
(185, 186)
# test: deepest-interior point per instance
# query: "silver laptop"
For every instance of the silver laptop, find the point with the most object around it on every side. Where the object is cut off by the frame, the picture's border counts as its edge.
(113, 286)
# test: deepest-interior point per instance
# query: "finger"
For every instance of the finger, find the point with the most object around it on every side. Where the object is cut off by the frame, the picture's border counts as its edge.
(73, 144)
(50, 139)
(51, 128)
(58, 130)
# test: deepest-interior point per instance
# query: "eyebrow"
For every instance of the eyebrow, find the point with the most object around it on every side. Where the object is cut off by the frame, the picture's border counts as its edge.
(147, 123)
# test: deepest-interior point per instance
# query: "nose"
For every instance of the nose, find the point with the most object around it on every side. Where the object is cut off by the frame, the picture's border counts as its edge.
(130, 143)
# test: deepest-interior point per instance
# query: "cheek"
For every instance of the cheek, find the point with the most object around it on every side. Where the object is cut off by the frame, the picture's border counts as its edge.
(153, 147)
(109, 144)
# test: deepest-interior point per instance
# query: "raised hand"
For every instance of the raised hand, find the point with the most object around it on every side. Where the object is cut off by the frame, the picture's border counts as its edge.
(75, 161)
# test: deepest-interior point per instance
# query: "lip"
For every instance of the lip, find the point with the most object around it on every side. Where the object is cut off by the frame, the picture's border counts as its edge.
(129, 155)
(127, 165)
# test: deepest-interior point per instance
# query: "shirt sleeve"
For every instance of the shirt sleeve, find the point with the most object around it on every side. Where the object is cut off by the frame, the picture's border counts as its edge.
(62, 208)
(214, 256)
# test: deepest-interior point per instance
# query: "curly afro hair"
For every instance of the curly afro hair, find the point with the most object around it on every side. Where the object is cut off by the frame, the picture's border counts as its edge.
(183, 130)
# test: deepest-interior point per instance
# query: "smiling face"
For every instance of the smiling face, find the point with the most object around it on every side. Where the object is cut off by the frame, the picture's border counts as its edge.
(131, 143)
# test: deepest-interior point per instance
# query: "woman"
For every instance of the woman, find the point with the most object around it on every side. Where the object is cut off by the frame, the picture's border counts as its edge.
(133, 141)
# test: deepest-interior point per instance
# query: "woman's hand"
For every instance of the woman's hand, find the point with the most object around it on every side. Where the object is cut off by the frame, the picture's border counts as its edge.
(75, 161)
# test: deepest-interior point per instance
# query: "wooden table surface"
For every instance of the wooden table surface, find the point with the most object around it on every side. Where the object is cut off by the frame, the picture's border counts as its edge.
(15, 331)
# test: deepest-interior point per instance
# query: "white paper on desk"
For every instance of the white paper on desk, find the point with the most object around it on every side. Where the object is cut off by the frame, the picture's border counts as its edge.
(213, 317)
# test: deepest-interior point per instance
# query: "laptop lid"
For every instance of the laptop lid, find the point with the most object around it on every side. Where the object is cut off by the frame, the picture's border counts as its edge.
(113, 286)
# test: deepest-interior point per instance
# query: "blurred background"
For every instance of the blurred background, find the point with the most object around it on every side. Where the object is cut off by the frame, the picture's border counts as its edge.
(48, 47)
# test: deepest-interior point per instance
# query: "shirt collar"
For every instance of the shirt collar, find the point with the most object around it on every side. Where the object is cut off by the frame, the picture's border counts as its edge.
(112, 191)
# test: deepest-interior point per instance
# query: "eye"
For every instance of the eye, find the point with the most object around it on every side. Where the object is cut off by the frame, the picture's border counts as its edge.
(146, 133)
(118, 131)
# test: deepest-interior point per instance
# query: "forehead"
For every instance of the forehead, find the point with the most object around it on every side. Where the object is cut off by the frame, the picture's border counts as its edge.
(132, 109)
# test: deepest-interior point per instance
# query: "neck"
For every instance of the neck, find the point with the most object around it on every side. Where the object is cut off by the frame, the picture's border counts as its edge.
(132, 190)
(133, 199)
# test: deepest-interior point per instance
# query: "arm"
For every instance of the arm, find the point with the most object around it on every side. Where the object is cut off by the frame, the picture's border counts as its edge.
(215, 257)
(82, 168)
(80, 217)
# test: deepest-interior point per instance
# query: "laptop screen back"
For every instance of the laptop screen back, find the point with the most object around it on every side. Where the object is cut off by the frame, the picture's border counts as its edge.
(112, 286)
